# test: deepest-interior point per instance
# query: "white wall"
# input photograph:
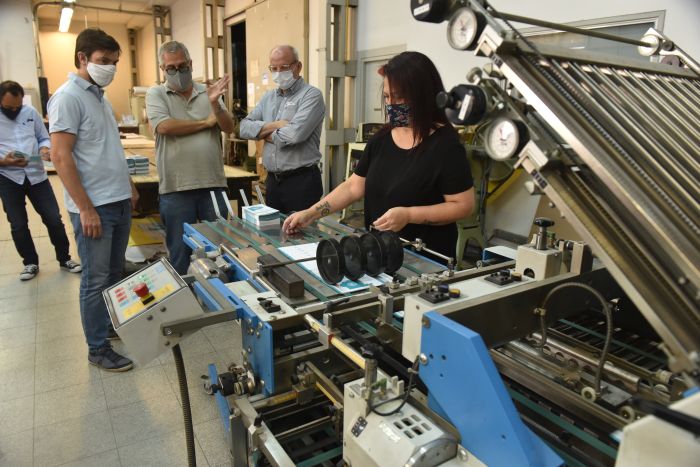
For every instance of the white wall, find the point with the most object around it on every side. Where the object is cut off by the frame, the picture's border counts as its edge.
(17, 52)
(187, 21)
(385, 23)
(146, 55)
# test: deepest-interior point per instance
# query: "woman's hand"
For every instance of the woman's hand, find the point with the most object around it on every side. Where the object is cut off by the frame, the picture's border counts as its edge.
(298, 220)
(394, 219)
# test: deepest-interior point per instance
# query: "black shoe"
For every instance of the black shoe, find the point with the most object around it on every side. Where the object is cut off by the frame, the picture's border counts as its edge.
(109, 360)
(112, 334)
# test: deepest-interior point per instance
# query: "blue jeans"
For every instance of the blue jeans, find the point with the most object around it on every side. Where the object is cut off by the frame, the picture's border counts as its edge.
(44, 202)
(189, 206)
(103, 264)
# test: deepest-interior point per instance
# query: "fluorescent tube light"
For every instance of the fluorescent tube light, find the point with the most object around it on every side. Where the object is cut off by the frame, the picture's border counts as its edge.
(66, 16)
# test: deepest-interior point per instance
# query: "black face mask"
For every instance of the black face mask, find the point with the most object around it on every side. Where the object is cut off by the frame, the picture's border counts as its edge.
(11, 114)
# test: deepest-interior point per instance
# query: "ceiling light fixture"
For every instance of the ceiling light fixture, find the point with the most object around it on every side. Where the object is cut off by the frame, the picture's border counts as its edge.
(66, 16)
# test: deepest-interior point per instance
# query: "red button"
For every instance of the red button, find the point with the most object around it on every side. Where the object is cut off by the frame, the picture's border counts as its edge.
(141, 290)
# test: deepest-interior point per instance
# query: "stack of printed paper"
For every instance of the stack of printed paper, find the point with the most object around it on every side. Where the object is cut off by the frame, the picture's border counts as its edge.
(138, 165)
(261, 216)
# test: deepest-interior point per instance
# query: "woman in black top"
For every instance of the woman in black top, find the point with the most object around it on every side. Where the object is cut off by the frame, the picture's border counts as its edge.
(414, 173)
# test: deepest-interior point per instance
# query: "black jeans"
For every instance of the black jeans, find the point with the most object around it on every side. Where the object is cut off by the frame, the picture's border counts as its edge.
(295, 192)
(44, 202)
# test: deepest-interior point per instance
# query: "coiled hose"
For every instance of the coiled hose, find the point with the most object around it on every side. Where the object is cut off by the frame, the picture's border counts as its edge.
(186, 409)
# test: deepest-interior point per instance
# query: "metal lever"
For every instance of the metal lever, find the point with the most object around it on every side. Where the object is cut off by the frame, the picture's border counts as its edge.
(261, 200)
(216, 205)
(228, 204)
(244, 197)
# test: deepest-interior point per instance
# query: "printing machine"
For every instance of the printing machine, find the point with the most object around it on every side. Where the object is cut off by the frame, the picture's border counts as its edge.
(579, 351)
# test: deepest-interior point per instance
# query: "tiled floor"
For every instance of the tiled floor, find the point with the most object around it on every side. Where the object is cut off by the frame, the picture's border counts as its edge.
(55, 409)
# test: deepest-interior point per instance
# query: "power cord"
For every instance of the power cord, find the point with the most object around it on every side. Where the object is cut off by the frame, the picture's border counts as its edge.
(412, 372)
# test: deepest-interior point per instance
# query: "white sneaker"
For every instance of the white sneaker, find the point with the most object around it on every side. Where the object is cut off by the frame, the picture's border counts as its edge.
(71, 266)
(30, 271)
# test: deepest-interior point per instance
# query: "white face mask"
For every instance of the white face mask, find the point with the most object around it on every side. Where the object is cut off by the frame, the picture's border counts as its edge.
(283, 79)
(102, 75)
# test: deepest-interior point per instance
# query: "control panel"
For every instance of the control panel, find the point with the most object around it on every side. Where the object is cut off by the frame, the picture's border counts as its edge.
(137, 292)
(145, 304)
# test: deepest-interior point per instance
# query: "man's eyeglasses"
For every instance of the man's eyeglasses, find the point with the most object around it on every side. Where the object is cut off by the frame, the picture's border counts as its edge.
(275, 69)
(173, 71)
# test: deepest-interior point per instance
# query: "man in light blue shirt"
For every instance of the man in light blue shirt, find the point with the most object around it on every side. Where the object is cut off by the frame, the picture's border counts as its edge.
(290, 120)
(24, 141)
(89, 158)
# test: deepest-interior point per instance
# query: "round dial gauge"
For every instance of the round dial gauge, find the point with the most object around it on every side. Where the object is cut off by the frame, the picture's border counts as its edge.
(504, 138)
(462, 29)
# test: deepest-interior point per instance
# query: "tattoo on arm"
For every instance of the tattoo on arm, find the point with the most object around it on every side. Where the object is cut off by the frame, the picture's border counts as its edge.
(325, 208)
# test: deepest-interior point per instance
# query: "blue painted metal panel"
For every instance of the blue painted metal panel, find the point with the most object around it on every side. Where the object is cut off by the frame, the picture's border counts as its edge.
(206, 297)
(190, 232)
(258, 345)
(465, 388)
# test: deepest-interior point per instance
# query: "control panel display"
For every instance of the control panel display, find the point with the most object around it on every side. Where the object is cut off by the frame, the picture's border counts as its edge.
(138, 292)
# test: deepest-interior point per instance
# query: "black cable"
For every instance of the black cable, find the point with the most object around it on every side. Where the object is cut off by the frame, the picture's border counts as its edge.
(186, 409)
(608, 318)
(413, 371)
(679, 419)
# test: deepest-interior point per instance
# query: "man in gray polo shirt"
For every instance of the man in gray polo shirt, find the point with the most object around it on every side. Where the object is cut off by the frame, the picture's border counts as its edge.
(289, 119)
(187, 119)
(99, 195)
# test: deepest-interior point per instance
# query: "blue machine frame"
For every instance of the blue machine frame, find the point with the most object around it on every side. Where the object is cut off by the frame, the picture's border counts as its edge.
(465, 388)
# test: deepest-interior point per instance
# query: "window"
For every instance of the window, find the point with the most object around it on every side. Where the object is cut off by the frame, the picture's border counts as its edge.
(629, 26)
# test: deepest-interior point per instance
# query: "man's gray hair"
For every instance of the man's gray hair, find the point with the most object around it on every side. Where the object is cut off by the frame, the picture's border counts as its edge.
(172, 47)
(294, 50)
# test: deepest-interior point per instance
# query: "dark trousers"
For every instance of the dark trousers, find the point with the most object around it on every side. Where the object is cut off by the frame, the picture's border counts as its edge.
(44, 202)
(296, 192)
(189, 206)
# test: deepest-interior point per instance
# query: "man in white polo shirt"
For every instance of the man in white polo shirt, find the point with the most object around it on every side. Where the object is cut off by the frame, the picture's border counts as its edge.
(99, 195)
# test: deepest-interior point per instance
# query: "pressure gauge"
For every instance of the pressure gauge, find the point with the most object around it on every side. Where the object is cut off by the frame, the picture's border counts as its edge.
(504, 138)
(464, 28)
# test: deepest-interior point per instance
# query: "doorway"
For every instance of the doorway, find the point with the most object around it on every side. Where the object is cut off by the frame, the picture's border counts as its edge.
(238, 67)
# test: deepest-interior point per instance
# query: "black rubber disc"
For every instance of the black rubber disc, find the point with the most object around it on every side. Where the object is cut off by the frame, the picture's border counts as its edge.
(374, 253)
(329, 259)
(394, 251)
(354, 257)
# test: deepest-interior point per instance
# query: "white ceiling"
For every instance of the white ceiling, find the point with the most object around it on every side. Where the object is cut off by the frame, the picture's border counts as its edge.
(50, 13)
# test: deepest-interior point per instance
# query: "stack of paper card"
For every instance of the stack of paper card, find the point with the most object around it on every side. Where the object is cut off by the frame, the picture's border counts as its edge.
(28, 157)
(261, 216)
(137, 164)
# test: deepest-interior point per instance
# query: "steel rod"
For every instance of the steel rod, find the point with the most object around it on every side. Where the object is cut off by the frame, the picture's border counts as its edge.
(573, 29)
(669, 103)
(336, 342)
(647, 135)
